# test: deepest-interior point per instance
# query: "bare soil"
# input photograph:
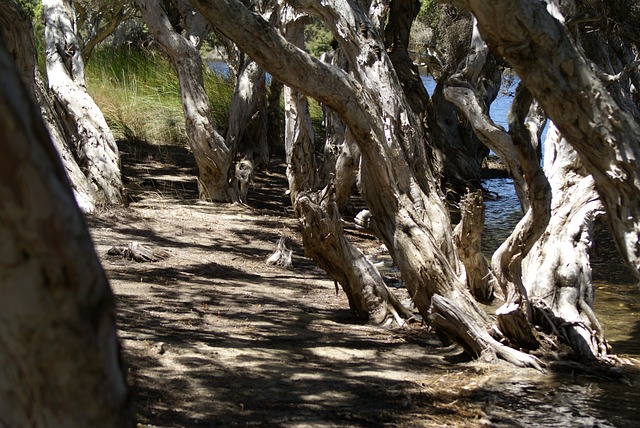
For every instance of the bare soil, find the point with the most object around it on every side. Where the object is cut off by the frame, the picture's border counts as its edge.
(214, 337)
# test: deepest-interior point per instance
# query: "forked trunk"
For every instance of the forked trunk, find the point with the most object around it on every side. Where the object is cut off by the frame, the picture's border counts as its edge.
(604, 135)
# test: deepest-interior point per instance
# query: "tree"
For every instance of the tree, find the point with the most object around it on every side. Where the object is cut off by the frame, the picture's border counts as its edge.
(315, 205)
(604, 134)
(398, 181)
(212, 155)
(98, 19)
(91, 140)
(601, 123)
(58, 346)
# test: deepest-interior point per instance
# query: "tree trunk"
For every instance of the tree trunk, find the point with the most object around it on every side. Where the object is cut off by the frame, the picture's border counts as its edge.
(212, 155)
(18, 33)
(324, 238)
(515, 316)
(92, 140)
(397, 180)
(468, 238)
(605, 136)
(59, 352)
(557, 271)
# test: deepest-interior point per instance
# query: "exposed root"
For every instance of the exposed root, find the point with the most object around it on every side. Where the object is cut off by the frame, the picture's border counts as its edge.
(139, 253)
(282, 254)
(447, 318)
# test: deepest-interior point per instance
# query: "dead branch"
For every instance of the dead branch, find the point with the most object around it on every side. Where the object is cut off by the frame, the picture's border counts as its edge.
(139, 253)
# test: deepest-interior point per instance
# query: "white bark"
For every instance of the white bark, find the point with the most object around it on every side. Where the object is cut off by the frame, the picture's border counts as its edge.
(605, 136)
(93, 141)
(557, 271)
(59, 352)
(324, 238)
(401, 191)
(18, 33)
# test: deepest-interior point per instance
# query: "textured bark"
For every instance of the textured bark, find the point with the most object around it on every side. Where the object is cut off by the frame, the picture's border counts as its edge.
(18, 34)
(557, 271)
(398, 183)
(468, 238)
(247, 133)
(324, 238)
(212, 155)
(58, 348)
(506, 262)
(605, 136)
(92, 140)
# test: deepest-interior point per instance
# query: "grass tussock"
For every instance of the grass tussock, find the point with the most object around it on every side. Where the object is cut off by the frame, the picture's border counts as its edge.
(139, 94)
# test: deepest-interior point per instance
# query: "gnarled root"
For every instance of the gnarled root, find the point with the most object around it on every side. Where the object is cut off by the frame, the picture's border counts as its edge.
(449, 320)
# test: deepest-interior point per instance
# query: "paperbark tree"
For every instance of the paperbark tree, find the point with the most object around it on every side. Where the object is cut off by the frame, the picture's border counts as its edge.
(17, 29)
(604, 134)
(398, 182)
(212, 155)
(92, 141)
(314, 204)
(557, 273)
(59, 353)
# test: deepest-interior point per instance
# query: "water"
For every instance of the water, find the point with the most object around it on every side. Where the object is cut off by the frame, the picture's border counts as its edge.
(566, 399)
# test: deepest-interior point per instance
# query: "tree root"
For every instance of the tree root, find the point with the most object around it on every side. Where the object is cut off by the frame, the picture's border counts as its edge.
(282, 254)
(140, 253)
(449, 320)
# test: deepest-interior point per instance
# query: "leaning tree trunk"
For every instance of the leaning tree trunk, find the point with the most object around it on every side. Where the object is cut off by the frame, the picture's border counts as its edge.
(605, 136)
(400, 190)
(557, 271)
(324, 238)
(59, 352)
(212, 155)
(92, 140)
(18, 34)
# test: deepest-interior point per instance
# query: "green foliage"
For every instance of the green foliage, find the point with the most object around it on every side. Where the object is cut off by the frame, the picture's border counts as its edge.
(139, 94)
(317, 38)
(33, 10)
(428, 12)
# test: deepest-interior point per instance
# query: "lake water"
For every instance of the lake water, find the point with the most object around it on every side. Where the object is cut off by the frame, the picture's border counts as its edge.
(567, 400)
(564, 400)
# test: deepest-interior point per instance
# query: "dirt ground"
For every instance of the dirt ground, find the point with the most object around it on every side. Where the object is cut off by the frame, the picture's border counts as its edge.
(214, 337)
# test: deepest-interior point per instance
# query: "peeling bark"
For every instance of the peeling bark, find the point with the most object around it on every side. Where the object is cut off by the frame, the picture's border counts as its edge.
(557, 271)
(92, 141)
(605, 136)
(468, 238)
(398, 181)
(324, 238)
(18, 34)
